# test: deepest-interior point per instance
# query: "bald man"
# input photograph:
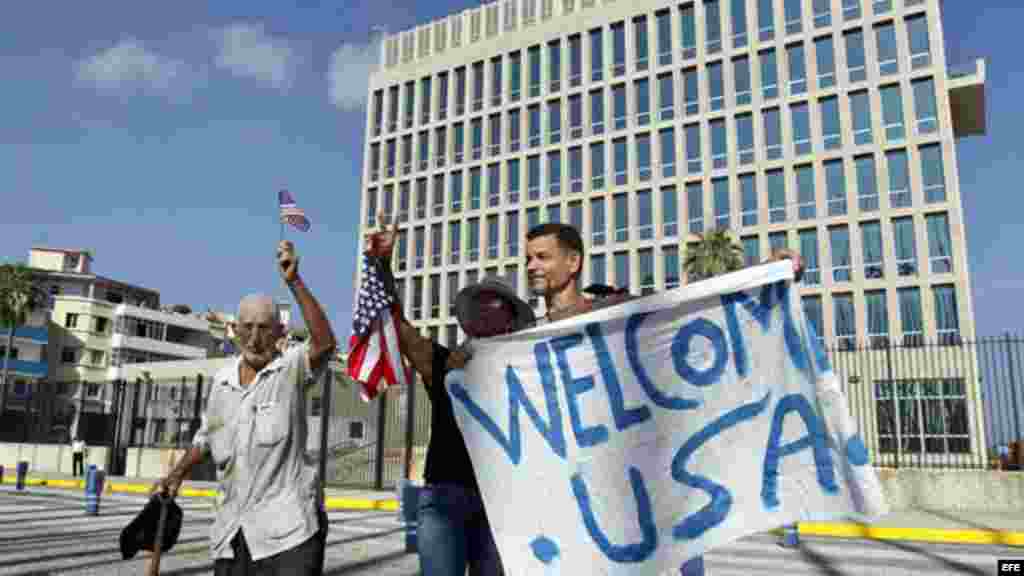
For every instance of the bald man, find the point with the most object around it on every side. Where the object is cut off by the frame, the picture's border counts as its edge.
(268, 518)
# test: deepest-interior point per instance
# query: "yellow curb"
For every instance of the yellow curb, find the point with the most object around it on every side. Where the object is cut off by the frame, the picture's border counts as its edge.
(937, 535)
(340, 503)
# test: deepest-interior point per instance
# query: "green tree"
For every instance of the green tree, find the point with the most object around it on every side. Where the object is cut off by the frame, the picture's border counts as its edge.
(20, 295)
(714, 253)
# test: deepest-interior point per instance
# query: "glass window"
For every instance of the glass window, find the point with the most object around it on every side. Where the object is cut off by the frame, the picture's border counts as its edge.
(719, 145)
(693, 163)
(845, 320)
(425, 100)
(621, 207)
(442, 96)
(392, 156)
(830, 126)
(514, 131)
(643, 101)
(618, 49)
(920, 44)
(695, 207)
(809, 253)
(800, 116)
(860, 108)
(888, 57)
(641, 46)
(939, 249)
(492, 236)
(460, 139)
(772, 134)
(670, 260)
(720, 191)
(826, 60)
(666, 97)
(905, 244)
(822, 13)
(597, 166)
(576, 214)
(596, 55)
(417, 298)
(667, 145)
(813, 312)
(644, 215)
(513, 170)
(877, 320)
(474, 239)
(495, 134)
(454, 241)
(533, 113)
(554, 121)
(797, 69)
(899, 179)
(739, 23)
(554, 213)
(643, 156)
(851, 9)
(794, 16)
(622, 269)
(597, 112)
(871, 240)
(867, 183)
(645, 260)
(460, 90)
(621, 159)
(619, 106)
(924, 105)
(766, 20)
(475, 189)
(855, 60)
(911, 321)
(407, 153)
(435, 245)
(839, 240)
(947, 319)
(932, 173)
(575, 60)
(421, 197)
(512, 234)
(532, 217)
(745, 138)
(438, 191)
(716, 87)
(748, 197)
(807, 208)
(533, 178)
(404, 193)
(555, 65)
(712, 27)
(664, 24)
(882, 6)
(455, 184)
(892, 112)
(778, 241)
(741, 77)
(835, 185)
(751, 250)
(776, 182)
(515, 77)
(576, 170)
(598, 269)
(496, 81)
(598, 223)
(453, 291)
(554, 173)
(669, 212)
(688, 31)
(533, 53)
(576, 116)
(691, 103)
(478, 86)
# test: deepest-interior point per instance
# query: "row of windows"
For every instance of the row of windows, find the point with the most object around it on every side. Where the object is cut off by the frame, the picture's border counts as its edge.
(774, 196)
(506, 74)
(738, 136)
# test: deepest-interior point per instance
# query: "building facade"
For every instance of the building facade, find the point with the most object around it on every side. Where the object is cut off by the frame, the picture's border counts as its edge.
(827, 126)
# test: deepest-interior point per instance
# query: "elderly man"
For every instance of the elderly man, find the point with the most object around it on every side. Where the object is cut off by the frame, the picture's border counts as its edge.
(268, 520)
(454, 533)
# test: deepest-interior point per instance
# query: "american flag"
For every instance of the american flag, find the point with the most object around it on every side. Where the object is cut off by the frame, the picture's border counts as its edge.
(374, 359)
(291, 213)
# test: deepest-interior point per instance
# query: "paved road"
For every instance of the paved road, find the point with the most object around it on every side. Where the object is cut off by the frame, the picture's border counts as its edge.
(45, 532)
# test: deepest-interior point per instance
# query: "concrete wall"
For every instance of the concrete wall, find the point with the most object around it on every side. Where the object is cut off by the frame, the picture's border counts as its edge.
(954, 490)
(47, 457)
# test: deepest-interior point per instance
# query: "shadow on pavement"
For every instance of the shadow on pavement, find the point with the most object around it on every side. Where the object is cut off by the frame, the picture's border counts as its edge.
(951, 564)
(824, 564)
(364, 564)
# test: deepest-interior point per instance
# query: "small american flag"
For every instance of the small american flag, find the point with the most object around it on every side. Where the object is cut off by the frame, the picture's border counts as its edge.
(374, 359)
(291, 213)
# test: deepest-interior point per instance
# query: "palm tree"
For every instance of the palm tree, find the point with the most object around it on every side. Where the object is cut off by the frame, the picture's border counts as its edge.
(19, 297)
(715, 253)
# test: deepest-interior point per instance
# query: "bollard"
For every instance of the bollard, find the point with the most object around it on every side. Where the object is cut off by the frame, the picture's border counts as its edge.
(790, 536)
(21, 473)
(693, 567)
(411, 514)
(93, 490)
(1, 474)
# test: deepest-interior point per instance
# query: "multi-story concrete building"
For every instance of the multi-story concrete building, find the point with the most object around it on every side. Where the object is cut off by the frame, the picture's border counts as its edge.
(828, 126)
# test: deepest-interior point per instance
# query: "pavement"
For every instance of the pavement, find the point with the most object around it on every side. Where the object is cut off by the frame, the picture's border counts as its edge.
(45, 531)
(929, 526)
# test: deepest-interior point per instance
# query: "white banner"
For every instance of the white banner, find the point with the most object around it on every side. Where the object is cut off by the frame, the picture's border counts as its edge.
(632, 438)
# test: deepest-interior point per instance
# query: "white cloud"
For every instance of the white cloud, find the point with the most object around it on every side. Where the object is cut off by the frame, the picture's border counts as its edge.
(247, 51)
(129, 66)
(348, 77)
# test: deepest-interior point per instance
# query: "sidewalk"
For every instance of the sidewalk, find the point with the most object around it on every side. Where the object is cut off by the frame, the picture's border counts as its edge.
(908, 525)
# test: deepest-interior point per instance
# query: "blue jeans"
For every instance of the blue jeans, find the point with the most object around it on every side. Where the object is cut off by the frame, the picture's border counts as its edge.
(454, 534)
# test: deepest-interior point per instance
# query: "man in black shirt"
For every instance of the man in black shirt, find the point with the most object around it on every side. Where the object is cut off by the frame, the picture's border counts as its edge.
(454, 533)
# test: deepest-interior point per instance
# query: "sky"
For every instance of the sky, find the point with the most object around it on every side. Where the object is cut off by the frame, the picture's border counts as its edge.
(158, 134)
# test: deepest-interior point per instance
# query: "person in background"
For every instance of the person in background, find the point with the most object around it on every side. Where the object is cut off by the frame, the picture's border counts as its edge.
(77, 456)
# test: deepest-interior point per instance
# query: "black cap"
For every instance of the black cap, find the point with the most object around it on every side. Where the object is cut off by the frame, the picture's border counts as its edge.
(140, 533)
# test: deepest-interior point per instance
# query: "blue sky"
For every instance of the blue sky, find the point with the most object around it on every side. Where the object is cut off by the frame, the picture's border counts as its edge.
(157, 135)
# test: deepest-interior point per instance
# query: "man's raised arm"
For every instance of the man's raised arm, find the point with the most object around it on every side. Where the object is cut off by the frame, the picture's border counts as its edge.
(322, 342)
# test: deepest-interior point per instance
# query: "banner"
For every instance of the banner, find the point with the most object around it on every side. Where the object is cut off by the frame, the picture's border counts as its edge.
(632, 438)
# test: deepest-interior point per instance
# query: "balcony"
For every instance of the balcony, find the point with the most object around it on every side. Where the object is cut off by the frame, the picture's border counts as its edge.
(158, 346)
(36, 334)
(26, 368)
(967, 98)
